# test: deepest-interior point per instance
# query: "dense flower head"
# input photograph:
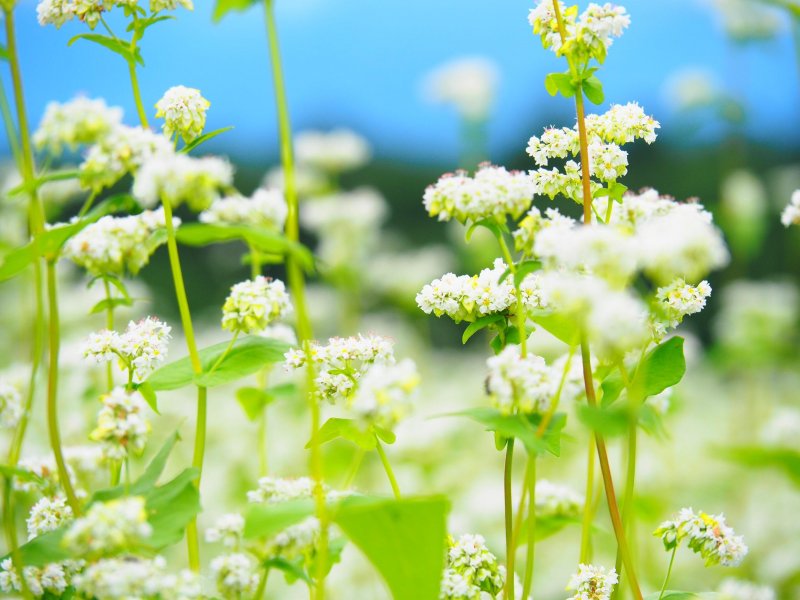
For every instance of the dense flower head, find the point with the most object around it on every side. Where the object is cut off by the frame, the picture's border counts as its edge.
(11, 408)
(471, 570)
(592, 583)
(131, 577)
(622, 124)
(493, 193)
(520, 384)
(74, 123)
(140, 349)
(236, 575)
(109, 528)
(467, 298)
(554, 500)
(791, 214)
(254, 304)
(228, 529)
(384, 393)
(157, 5)
(272, 490)
(533, 223)
(58, 12)
(179, 178)
(122, 425)
(467, 83)
(184, 112)
(50, 579)
(48, 514)
(124, 150)
(706, 535)
(679, 299)
(82, 463)
(738, 589)
(333, 151)
(265, 208)
(118, 245)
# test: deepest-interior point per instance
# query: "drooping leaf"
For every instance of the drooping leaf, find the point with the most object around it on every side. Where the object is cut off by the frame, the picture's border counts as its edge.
(171, 507)
(292, 570)
(223, 7)
(203, 139)
(661, 368)
(496, 228)
(106, 303)
(149, 395)
(525, 268)
(561, 326)
(593, 89)
(265, 520)
(115, 45)
(521, 427)
(479, 324)
(348, 429)
(18, 473)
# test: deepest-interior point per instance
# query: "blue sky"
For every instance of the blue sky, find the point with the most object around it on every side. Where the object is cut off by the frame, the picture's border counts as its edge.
(359, 63)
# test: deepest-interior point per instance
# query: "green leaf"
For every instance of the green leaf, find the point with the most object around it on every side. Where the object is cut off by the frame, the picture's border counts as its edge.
(247, 356)
(493, 226)
(107, 303)
(385, 435)
(612, 421)
(479, 324)
(223, 7)
(563, 327)
(149, 395)
(171, 507)
(403, 539)
(593, 89)
(663, 367)
(612, 387)
(203, 139)
(524, 269)
(18, 473)
(521, 427)
(266, 520)
(115, 45)
(44, 549)
(560, 82)
(348, 429)
(293, 571)
(783, 459)
(253, 401)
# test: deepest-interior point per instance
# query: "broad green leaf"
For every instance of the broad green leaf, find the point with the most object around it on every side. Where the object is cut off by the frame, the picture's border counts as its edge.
(493, 226)
(253, 401)
(661, 368)
(171, 507)
(612, 387)
(19, 473)
(266, 520)
(403, 539)
(106, 303)
(292, 571)
(593, 89)
(610, 422)
(561, 326)
(783, 459)
(521, 427)
(560, 82)
(203, 139)
(348, 429)
(223, 7)
(247, 356)
(481, 323)
(113, 44)
(149, 395)
(524, 269)
(44, 549)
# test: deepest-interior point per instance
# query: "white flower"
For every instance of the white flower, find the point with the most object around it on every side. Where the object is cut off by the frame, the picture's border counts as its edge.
(471, 569)
(553, 500)
(55, 12)
(134, 577)
(706, 535)
(110, 527)
(737, 589)
(592, 583)
(679, 299)
(265, 208)
(236, 575)
(254, 304)
(157, 5)
(533, 223)
(11, 408)
(280, 331)
(334, 151)
(51, 579)
(492, 193)
(466, 83)
(46, 515)
(180, 178)
(791, 214)
(79, 121)
(308, 181)
(228, 529)
(140, 349)
(520, 385)
(184, 112)
(122, 427)
(383, 395)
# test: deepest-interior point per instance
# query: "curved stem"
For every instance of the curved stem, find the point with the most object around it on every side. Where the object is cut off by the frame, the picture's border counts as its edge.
(11, 128)
(588, 507)
(669, 573)
(510, 550)
(262, 585)
(530, 478)
(387, 467)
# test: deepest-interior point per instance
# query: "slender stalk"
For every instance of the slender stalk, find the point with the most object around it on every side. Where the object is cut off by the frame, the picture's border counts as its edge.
(255, 262)
(296, 281)
(110, 327)
(530, 478)
(510, 550)
(358, 458)
(588, 508)
(262, 585)
(522, 313)
(137, 94)
(669, 573)
(11, 128)
(387, 467)
(263, 463)
(222, 356)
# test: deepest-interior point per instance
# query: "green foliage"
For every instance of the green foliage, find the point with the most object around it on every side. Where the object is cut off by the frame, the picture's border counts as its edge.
(786, 460)
(254, 400)
(245, 357)
(521, 427)
(348, 429)
(223, 7)
(497, 229)
(593, 89)
(562, 83)
(130, 53)
(559, 325)
(203, 139)
(265, 520)
(663, 367)
(479, 324)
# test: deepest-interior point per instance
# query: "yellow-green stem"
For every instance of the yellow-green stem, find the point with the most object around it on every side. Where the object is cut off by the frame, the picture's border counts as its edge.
(522, 313)
(110, 327)
(262, 585)
(11, 128)
(530, 479)
(669, 573)
(508, 511)
(358, 458)
(588, 506)
(296, 281)
(137, 94)
(388, 468)
(222, 356)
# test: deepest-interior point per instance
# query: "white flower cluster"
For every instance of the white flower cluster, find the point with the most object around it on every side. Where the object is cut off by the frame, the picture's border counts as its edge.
(706, 535)
(228, 529)
(679, 299)
(384, 392)
(308, 181)
(180, 178)
(493, 193)
(471, 570)
(140, 349)
(254, 304)
(118, 245)
(158, 5)
(554, 500)
(124, 150)
(334, 151)
(137, 578)
(466, 83)
(74, 123)
(791, 214)
(272, 490)
(592, 583)
(265, 208)
(48, 514)
(588, 35)
(184, 112)
(82, 464)
(533, 223)
(58, 12)
(236, 575)
(50, 579)
(109, 528)
(520, 385)
(11, 408)
(122, 427)
(467, 298)
(737, 589)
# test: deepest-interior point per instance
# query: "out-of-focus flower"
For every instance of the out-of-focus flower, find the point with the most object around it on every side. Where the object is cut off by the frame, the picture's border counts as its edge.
(265, 208)
(109, 528)
(134, 577)
(46, 515)
(738, 589)
(520, 385)
(180, 178)
(184, 112)
(471, 570)
(334, 151)
(74, 123)
(466, 83)
(791, 214)
(122, 427)
(11, 408)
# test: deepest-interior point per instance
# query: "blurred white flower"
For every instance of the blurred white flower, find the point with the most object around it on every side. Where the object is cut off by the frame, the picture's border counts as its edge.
(467, 83)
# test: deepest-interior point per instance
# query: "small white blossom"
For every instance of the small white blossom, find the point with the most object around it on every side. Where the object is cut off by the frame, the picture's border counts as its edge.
(184, 112)
(592, 583)
(791, 214)
(11, 408)
(74, 123)
(122, 427)
(55, 12)
(50, 579)
(737, 589)
(236, 575)
(520, 385)
(108, 528)
(132, 577)
(254, 304)
(470, 570)
(553, 500)
(466, 83)
(272, 490)
(383, 396)
(706, 535)
(265, 208)
(679, 299)
(140, 349)
(158, 5)
(46, 515)
(228, 529)
(333, 151)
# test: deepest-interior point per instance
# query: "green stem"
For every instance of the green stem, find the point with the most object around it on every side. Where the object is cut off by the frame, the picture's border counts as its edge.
(358, 458)
(630, 475)
(296, 282)
(522, 313)
(255, 262)
(263, 464)
(530, 478)
(11, 128)
(669, 573)
(110, 327)
(52, 390)
(387, 467)
(224, 354)
(508, 510)
(588, 507)
(262, 585)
